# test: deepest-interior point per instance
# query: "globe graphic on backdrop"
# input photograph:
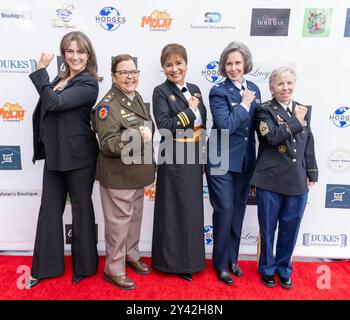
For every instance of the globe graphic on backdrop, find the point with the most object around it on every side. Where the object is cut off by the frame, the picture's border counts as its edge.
(208, 235)
(342, 117)
(212, 72)
(111, 13)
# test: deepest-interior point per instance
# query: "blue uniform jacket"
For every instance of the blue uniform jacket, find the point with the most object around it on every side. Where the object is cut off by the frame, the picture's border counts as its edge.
(286, 156)
(227, 113)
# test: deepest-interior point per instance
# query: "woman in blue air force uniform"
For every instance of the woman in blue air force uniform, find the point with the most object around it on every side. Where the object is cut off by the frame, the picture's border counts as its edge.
(232, 104)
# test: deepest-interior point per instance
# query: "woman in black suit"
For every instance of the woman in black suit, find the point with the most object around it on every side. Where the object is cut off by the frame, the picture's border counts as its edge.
(178, 109)
(63, 137)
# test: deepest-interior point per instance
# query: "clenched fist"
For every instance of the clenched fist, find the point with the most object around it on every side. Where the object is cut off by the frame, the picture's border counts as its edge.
(146, 133)
(45, 60)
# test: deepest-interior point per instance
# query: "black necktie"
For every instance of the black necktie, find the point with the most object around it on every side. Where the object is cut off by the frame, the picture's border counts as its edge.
(289, 112)
(184, 89)
(242, 87)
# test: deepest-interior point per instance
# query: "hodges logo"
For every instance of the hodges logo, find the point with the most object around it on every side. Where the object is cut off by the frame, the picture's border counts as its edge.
(157, 21)
(12, 112)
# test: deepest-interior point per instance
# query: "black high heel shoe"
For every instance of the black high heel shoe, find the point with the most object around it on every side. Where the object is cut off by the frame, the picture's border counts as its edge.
(31, 283)
(76, 279)
(185, 276)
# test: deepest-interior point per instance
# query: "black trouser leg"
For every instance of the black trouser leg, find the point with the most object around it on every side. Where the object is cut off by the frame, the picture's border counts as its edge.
(84, 251)
(48, 257)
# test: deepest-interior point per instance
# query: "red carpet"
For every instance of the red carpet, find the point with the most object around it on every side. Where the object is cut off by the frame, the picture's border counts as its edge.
(158, 286)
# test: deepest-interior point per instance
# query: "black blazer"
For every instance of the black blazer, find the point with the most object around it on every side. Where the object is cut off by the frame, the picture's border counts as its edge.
(286, 156)
(171, 110)
(62, 132)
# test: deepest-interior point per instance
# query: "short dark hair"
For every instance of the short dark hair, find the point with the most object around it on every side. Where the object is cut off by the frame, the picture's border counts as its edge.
(173, 49)
(85, 44)
(118, 59)
(243, 49)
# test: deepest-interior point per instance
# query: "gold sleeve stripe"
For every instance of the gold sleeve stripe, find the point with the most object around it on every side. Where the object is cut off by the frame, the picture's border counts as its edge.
(188, 121)
(180, 116)
(186, 118)
(184, 115)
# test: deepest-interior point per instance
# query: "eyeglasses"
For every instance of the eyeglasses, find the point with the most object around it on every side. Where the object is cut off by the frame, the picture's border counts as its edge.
(125, 73)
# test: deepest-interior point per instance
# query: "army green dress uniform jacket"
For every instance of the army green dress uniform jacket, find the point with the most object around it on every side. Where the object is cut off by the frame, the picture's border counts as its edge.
(114, 114)
(122, 181)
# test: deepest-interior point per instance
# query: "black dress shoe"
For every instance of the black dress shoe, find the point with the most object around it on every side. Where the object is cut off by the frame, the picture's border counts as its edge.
(185, 276)
(31, 283)
(76, 279)
(225, 277)
(268, 281)
(236, 270)
(285, 282)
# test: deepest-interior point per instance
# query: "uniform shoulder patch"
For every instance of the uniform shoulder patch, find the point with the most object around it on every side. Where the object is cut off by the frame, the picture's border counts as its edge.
(263, 128)
(109, 97)
(103, 112)
(267, 103)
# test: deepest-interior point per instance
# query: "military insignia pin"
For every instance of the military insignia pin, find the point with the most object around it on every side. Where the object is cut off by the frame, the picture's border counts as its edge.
(264, 129)
(172, 97)
(129, 104)
(122, 111)
(275, 108)
(103, 112)
(282, 149)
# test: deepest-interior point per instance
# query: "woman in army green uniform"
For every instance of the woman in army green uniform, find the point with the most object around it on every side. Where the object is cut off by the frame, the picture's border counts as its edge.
(119, 115)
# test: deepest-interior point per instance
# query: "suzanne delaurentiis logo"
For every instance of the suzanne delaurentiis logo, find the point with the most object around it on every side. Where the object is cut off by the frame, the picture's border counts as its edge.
(341, 117)
(10, 158)
(325, 240)
(158, 20)
(211, 72)
(69, 233)
(339, 160)
(270, 22)
(213, 21)
(338, 196)
(109, 18)
(317, 22)
(63, 17)
(347, 24)
(12, 112)
(17, 65)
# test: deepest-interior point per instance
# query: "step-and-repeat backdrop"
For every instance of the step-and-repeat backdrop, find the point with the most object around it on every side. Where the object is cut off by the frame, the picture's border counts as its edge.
(312, 36)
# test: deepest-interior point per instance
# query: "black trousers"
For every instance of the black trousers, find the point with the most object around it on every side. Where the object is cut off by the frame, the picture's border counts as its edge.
(48, 257)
